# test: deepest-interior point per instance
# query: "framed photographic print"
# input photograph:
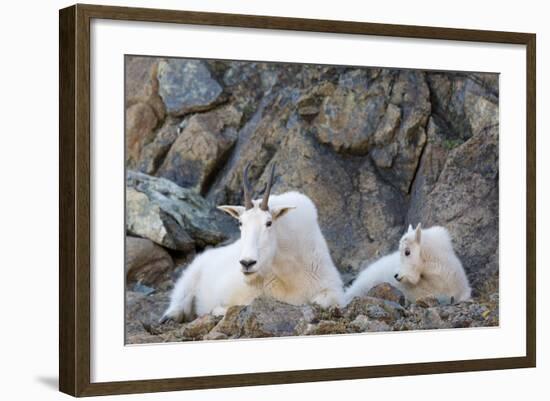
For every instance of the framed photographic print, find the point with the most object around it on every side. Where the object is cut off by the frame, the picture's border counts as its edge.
(250, 200)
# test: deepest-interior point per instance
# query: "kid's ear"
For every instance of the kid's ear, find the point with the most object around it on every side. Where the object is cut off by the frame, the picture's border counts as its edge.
(281, 211)
(418, 233)
(233, 211)
(410, 228)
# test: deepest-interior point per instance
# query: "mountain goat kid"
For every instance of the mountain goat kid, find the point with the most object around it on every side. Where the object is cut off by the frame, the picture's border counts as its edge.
(425, 265)
(281, 253)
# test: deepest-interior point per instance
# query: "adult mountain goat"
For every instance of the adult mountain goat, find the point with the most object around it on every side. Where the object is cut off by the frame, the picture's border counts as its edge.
(281, 253)
(425, 265)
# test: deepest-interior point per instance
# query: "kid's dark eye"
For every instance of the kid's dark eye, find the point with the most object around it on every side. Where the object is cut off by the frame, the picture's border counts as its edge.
(240, 223)
(407, 252)
(268, 224)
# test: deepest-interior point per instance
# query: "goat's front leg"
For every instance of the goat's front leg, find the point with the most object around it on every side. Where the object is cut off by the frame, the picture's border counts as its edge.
(181, 304)
(329, 297)
(219, 311)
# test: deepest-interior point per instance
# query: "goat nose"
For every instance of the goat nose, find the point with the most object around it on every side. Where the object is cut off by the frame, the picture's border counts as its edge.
(247, 263)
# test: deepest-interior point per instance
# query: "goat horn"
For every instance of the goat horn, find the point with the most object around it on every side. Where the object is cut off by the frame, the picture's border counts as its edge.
(246, 188)
(265, 199)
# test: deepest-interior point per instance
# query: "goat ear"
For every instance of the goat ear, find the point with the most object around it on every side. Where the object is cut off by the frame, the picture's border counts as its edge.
(233, 211)
(410, 228)
(281, 211)
(418, 233)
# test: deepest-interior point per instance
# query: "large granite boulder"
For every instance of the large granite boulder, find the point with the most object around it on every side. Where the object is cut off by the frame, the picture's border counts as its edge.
(147, 263)
(171, 216)
(145, 110)
(187, 86)
(201, 148)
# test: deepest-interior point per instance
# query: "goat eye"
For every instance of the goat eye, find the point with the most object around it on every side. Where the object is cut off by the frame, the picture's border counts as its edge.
(268, 224)
(240, 223)
(407, 252)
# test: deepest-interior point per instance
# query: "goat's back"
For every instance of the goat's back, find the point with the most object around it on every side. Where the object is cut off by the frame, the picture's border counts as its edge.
(300, 224)
(437, 240)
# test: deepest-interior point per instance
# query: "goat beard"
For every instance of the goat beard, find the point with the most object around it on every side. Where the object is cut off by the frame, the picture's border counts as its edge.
(255, 279)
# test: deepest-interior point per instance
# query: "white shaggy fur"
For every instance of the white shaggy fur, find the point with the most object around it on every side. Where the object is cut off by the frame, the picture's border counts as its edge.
(293, 263)
(425, 265)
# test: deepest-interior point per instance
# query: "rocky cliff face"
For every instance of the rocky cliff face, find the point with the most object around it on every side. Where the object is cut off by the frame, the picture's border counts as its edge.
(375, 149)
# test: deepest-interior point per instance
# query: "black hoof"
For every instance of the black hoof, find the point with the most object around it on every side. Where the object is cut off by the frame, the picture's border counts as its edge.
(165, 319)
